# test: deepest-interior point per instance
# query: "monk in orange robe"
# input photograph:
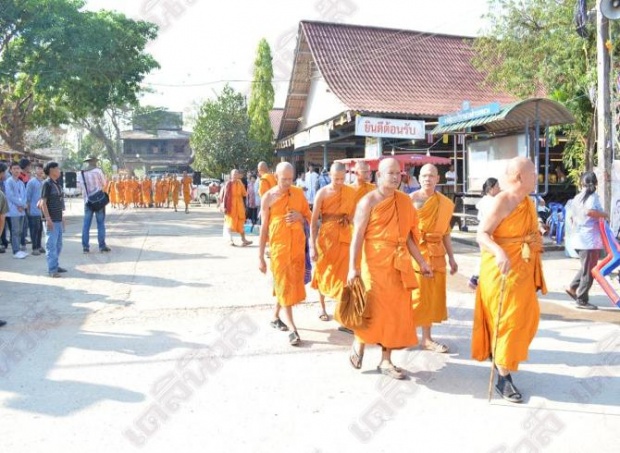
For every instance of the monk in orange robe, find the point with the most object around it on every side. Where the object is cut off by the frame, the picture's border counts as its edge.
(159, 192)
(510, 275)
(146, 186)
(137, 192)
(362, 184)
(186, 187)
(434, 213)
(285, 210)
(234, 207)
(165, 191)
(329, 245)
(129, 189)
(111, 191)
(175, 188)
(266, 180)
(120, 191)
(386, 228)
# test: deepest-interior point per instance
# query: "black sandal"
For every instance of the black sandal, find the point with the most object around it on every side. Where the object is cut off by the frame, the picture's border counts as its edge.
(507, 390)
(278, 324)
(294, 339)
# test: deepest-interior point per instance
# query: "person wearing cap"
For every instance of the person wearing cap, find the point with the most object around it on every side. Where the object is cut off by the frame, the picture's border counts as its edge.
(92, 179)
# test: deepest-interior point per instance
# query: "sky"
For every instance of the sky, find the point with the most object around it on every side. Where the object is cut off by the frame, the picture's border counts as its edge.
(203, 44)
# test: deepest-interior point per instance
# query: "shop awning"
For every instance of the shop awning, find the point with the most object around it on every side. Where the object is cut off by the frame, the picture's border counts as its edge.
(515, 117)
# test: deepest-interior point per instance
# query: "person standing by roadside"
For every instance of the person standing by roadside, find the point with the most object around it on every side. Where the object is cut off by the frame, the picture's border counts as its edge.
(4, 208)
(92, 178)
(16, 196)
(4, 243)
(311, 185)
(52, 204)
(251, 201)
(33, 195)
(586, 240)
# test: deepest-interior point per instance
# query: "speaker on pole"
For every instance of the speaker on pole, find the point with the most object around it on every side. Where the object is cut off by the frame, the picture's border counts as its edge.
(70, 180)
(611, 9)
(196, 178)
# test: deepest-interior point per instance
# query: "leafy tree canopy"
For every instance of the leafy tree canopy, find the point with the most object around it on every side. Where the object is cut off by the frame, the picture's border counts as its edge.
(220, 138)
(532, 47)
(59, 63)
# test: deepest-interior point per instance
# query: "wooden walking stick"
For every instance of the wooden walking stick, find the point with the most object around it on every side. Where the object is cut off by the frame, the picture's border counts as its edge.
(499, 314)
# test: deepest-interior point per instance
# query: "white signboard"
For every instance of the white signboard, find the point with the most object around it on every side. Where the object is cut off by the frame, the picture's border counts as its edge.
(372, 150)
(367, 126)
(316, 134)
(302, 139)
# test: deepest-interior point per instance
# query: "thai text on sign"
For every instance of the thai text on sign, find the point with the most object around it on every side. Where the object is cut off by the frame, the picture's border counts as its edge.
(367, 126)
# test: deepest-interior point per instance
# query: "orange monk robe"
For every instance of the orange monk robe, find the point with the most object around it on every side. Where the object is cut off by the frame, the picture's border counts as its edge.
(175, 188)
(520, 310)
(120, 192)
(129, 192)
(137, 192)
(159, 192)
(235, 219)
(165, 195)
(287, 246)
(333, 242)
(111, 191)
(388, 274)
(362, 190)
(186, 184)
(429, 299)
(266, 182)
(146, 186)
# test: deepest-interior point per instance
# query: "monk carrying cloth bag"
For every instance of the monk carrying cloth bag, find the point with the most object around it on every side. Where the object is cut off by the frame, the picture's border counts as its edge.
(351, 306)
(97, 200)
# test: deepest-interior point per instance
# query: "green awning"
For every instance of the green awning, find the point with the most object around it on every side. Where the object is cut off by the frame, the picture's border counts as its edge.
(515, 117)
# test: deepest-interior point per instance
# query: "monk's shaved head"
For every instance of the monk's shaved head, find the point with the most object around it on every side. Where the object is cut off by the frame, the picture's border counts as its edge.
(337, 172)
(285, 167)
(429, 168)
(521, 174)
(362, 171)
(285, 173)
(361, 165)
(336, 167)
(263, 167)
(388, 164)
(518, 165)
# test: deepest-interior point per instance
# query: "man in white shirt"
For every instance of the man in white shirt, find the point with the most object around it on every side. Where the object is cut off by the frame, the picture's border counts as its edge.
(311, 185)
(92, 179)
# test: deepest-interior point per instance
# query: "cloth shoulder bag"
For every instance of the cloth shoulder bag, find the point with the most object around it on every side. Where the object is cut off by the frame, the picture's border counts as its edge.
(97, 200)
(352, 305)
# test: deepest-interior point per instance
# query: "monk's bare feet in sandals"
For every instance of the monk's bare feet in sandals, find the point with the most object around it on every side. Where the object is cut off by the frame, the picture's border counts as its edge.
(431, 345)
(388, 369)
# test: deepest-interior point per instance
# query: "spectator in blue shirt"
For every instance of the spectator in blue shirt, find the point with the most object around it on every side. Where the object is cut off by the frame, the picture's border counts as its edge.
(33, 195)
(15, 192)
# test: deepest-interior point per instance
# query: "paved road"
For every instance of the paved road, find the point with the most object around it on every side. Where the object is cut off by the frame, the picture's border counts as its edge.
(164, 345)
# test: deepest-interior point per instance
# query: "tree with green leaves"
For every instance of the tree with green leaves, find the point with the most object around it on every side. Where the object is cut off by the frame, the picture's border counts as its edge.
(534, 45)
(220, 139)
(261, 103)
(61, 64)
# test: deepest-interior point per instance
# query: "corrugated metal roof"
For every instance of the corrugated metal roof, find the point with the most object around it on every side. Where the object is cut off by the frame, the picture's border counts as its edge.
(515, 117)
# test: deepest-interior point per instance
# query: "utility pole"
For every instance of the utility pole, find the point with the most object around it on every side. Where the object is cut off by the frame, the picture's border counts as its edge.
(603, 136)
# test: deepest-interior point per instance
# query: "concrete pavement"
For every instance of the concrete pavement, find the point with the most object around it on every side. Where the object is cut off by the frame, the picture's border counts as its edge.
(164, 344)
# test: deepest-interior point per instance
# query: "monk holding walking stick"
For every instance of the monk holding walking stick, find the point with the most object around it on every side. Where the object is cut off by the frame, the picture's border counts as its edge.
(506, 313)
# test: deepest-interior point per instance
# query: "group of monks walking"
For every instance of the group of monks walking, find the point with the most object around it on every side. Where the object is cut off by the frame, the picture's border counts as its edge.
(132, 191)
(400, 247)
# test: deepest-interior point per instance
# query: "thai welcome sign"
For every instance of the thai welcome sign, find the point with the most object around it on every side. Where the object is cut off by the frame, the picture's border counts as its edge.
(368, 126)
